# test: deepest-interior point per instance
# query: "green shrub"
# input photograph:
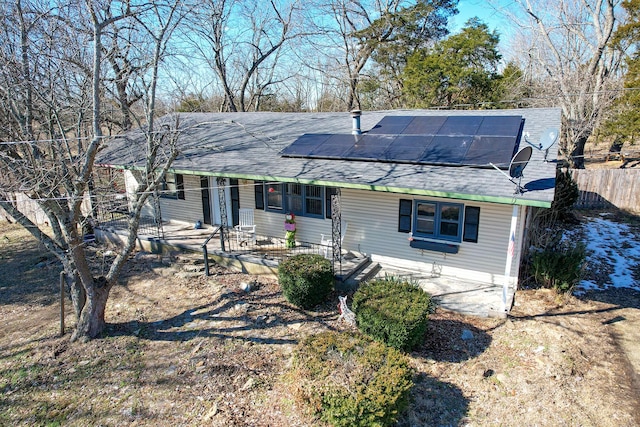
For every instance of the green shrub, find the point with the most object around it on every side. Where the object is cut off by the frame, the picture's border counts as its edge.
(393, 311)
(559, 267)
(347, 379)
(306, 279)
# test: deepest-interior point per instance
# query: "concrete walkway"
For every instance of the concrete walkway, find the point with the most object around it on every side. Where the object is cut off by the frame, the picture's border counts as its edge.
(462, 296)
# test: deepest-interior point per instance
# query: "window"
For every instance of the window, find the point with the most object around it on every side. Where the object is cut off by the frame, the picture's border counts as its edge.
(172, 186)
(313, 200)
(274, 197)
(438, 220)
(300, 199)
(294, 198)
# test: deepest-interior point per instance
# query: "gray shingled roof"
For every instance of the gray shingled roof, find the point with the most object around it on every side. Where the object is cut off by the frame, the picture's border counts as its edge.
(247, 145)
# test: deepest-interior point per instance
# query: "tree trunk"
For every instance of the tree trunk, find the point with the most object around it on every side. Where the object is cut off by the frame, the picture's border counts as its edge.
(91, 321)
(78, 295)
(576, 160)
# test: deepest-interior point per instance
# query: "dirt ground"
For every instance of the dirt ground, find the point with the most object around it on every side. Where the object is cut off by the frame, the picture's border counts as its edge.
(599, 156)
(182, 350)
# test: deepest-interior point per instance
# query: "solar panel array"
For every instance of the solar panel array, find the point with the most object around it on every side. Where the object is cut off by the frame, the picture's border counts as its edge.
(438, 140)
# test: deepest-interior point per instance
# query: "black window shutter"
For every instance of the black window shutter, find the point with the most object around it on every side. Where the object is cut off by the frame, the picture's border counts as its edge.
(259, 194)
(471, 224)
(235, 201)
(180, 186)
(404, 215)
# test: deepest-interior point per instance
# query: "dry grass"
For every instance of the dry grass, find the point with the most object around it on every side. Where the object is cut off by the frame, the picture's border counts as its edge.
(184, 350)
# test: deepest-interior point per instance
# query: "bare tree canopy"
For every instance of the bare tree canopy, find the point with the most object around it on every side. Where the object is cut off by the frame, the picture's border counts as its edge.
(352, 32)
(54, 126)
(242, 43)
(567, 47)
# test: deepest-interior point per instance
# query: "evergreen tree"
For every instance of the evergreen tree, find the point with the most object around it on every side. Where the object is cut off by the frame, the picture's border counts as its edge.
(624, 124)
(460, 70)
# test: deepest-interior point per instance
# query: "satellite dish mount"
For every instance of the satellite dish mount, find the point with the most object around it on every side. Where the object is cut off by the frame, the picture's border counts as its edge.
(516, 167)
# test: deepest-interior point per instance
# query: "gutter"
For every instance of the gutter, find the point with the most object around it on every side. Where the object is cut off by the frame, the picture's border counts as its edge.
(369, 187)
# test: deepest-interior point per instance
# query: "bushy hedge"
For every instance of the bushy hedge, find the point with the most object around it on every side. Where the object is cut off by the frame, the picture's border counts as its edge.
(393, 311)
(306, 279)
(347, 379)
(559, 267)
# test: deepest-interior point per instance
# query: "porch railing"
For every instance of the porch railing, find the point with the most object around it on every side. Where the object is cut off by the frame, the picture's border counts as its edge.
(119, 220)
(266, 247)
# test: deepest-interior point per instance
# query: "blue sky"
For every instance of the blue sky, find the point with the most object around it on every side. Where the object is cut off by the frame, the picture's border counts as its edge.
(483, 10)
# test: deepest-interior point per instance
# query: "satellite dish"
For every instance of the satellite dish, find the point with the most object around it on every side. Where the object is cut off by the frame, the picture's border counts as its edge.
(547, 139)
(519, 162)
(516, 167)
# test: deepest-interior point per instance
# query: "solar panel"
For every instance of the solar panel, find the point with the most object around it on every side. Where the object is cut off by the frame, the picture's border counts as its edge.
(447, 150)
(334, 147)
(442, 140)
(461, 125)
(490, 149)
(407, 148)
(424, 125)
(370, 147)
(304, 145)
(391, 125)
(500, 126)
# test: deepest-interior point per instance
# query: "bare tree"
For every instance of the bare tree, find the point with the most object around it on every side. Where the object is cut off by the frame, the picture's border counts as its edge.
(242, 42)
(42, 160)
(359, 30)
(567, 45)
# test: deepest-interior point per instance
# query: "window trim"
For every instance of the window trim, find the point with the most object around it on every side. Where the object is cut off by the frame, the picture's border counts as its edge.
(437, 221)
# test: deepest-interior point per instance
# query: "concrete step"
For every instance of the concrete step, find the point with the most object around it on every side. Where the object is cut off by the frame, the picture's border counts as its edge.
(351, 267)
(362, 271)
(367, 272)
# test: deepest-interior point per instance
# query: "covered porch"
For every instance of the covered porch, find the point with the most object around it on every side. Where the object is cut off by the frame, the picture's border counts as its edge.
(226, 246)
(264, 255)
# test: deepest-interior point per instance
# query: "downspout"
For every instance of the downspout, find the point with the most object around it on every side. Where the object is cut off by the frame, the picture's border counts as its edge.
(511, 250)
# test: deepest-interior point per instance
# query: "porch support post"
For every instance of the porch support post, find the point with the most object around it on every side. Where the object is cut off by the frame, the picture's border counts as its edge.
(336, 230)
(511, 250)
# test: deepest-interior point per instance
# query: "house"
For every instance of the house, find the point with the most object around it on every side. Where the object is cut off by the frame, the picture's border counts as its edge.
(447, 205)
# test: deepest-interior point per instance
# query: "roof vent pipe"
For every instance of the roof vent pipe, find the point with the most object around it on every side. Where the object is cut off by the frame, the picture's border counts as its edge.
(355, 114)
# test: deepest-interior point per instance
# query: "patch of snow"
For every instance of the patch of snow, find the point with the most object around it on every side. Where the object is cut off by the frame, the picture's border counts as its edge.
(615, 243)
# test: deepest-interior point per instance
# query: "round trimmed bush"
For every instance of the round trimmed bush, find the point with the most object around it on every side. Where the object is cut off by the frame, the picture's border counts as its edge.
(306, 279)
(393, 311)
(347, 379)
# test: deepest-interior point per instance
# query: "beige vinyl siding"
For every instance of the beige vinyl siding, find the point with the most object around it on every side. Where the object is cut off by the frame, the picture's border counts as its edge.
(373, 225)
(187, 210)
(372, 219)
(131, 184)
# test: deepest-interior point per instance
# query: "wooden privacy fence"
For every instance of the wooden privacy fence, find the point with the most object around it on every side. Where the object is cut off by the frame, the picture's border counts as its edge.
(603, 188)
